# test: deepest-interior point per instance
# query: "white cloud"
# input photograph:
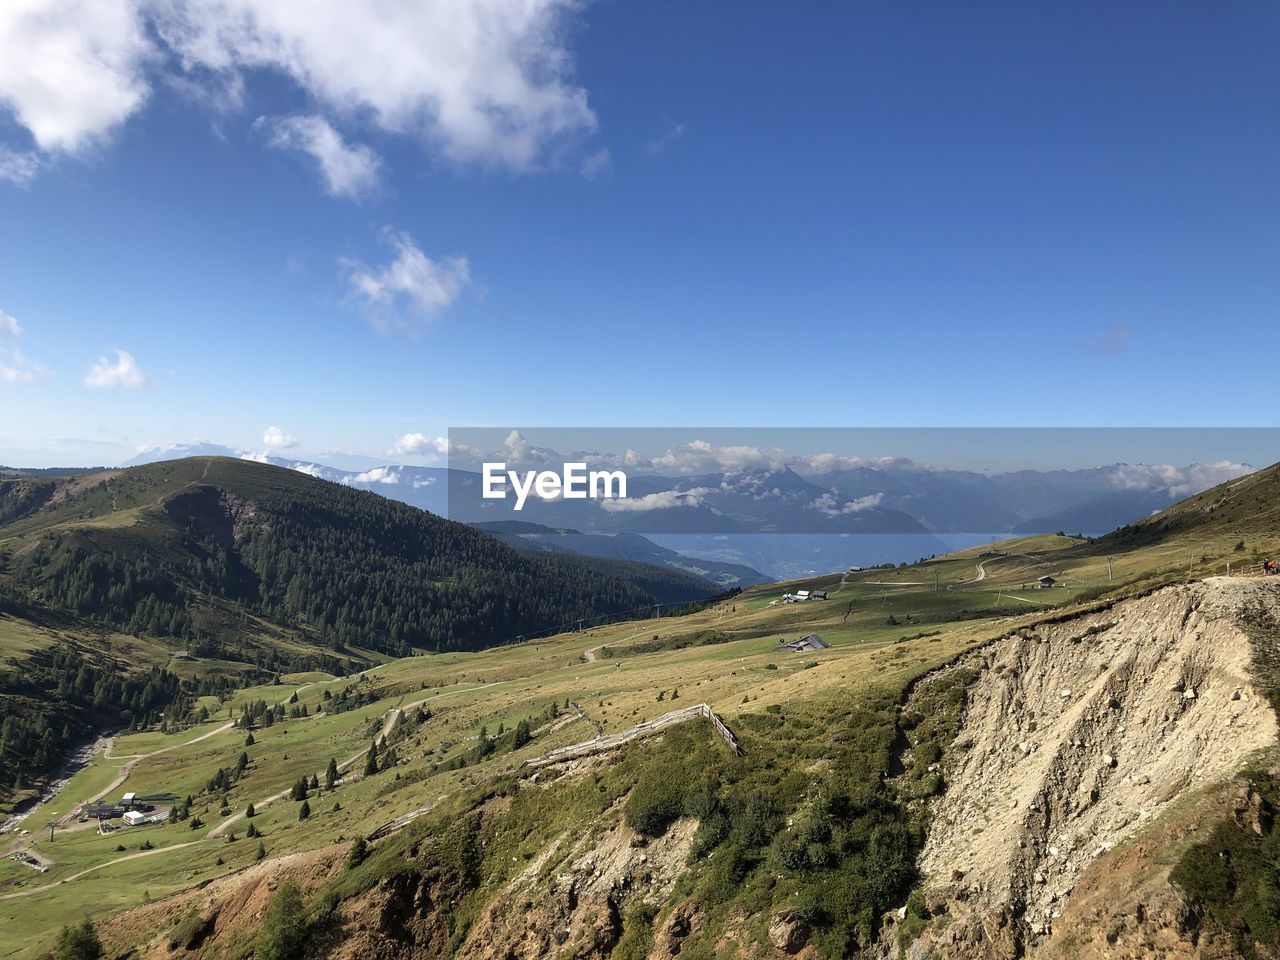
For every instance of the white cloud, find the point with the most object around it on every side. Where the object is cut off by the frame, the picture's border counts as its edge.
(703, 457)
(596, 165)
(124, 372)
(349, 170)
(664, 500)
(829, 504)
(255, 457)
(475, 81)
(411, 282)
(386, 475)
(1178, 482)
(670, 135)
(273, 438)
(516, 445)
(18, 167)
(418, 445)
(71, 71)
(17, 367)
(9, 327)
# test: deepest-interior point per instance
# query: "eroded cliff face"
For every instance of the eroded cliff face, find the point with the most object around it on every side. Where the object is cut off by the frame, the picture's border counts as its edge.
(1077, 735)
(569, 901)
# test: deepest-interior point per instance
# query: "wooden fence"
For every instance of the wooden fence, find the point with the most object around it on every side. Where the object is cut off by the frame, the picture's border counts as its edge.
(612, 741)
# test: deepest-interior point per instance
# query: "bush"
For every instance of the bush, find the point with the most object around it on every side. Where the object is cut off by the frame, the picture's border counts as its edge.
(283, 935)
(656, 800)
(637, 932)
(1233, 876)
(358, 854)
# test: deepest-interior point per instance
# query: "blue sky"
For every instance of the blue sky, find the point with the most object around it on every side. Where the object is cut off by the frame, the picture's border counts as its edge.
(713, 213)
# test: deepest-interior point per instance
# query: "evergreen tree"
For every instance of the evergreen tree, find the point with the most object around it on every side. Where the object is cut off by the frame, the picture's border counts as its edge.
(371, 760)
(331, 774)
(249, 812)
(522, 735)
(304, 811)
(359, 853)
(78, 942)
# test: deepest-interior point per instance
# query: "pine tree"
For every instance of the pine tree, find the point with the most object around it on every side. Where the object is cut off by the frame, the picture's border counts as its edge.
(262, 851)
(248, 741)
(359, 853)
(304, 811)
(331, 774)
(79, 942)
(371, 760)
(250, 812)
(522, 735)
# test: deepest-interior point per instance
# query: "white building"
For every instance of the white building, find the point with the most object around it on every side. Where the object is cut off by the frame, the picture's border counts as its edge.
(134, 818)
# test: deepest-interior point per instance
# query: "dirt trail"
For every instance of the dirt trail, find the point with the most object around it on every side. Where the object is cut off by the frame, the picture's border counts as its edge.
(589, 656)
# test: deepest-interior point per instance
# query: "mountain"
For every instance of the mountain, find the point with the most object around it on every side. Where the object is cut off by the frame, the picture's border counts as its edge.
(967, 767)
(794, 521)
(250, 568)
(141, 549)
(176, 451)
(620, 546)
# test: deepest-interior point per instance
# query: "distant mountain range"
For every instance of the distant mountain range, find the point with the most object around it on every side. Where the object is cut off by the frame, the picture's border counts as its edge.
(894, 510)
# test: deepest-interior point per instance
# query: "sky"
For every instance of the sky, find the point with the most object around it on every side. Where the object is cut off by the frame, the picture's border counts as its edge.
(323, 226)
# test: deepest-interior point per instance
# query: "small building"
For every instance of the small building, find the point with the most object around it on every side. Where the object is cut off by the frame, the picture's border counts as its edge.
(134, 818)
(129, 800)
(184, 655)
(810, 642)
(818, 595)
(1046, 582)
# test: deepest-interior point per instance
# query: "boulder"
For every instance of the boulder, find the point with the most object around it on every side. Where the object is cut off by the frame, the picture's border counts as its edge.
(788, 932)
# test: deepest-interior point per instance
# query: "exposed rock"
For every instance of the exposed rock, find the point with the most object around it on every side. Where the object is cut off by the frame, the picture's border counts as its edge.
(1098, 774)
(788, 932)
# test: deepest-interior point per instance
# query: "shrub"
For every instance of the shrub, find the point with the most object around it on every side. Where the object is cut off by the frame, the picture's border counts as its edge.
(358, 854)
(656, 800)
(283, 935)
(1232, 876)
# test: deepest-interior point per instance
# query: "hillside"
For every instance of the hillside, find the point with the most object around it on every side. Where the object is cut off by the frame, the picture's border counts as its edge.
(139, 549)
(253, 568)
(972, 767)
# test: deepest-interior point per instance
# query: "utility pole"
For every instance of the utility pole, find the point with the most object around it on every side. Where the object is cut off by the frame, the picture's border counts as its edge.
(1109, 576)
(937, 582)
